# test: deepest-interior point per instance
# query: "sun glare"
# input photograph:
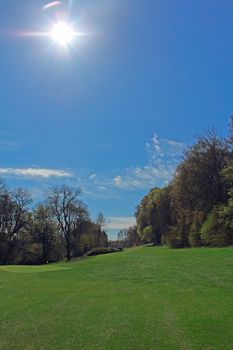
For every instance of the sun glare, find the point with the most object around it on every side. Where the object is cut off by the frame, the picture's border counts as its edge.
(63, 34)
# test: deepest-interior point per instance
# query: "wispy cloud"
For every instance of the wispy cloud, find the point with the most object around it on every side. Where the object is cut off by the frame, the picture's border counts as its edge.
(142, 178)
(163, 156)
(35, 172)
(92, 176)
(160, 149)
(120, 223)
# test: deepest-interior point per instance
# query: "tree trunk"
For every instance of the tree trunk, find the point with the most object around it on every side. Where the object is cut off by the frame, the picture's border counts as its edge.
(98, 237)
(68, 255)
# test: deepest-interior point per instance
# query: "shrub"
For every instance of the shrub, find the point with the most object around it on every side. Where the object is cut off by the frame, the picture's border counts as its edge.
(213, 232)
(148, 234)
(175, 238)
(194, 232)
(103, 250)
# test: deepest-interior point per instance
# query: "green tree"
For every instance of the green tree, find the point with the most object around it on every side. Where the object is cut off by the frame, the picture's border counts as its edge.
(153, 215)
(198, 186)
(213, 231)
(195, 229)
(133, 238)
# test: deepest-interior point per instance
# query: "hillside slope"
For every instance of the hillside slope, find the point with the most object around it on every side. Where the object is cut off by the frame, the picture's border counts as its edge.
(142, 298)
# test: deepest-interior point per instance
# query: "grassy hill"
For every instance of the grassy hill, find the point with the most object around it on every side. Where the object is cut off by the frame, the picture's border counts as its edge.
(142, 298)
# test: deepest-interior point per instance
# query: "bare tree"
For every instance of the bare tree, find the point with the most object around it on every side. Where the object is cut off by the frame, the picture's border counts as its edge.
(120, 238)
(100, 222)
(22, 199)
(13, 211)
(13, 218)
(65, 206)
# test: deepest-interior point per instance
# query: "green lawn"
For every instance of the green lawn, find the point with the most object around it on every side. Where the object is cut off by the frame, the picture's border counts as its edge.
(142, 298)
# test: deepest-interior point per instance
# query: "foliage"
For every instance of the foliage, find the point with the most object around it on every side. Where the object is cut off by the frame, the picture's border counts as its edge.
(184, 213)
(103, 250)
(59, 226)
(153, 215)
(213, 232)
(127, 238)
(195, 229)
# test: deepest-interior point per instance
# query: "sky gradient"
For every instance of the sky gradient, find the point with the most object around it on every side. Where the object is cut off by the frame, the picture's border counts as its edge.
(114, 113)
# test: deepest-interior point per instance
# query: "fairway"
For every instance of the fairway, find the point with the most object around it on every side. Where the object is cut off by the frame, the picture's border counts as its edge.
(142, 298)
(32, 269)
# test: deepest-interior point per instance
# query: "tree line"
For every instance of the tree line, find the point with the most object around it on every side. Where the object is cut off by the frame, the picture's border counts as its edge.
(59, 227)
(127, 238)
(196, 207)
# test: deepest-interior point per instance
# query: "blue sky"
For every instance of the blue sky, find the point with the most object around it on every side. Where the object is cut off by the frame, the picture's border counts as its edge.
(114, 112)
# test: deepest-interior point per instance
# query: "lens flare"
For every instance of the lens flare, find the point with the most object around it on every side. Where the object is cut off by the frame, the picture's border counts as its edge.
(51, 5)
(62, 33)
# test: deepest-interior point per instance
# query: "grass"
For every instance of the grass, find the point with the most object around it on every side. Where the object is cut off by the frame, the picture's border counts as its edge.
(142, 298)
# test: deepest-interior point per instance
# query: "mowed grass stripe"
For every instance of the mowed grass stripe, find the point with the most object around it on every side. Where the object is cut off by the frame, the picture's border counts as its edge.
(143, 298)
(32, 269)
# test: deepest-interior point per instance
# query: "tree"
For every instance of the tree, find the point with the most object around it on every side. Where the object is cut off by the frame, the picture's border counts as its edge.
(121, 238)
(100, 222)
(146, 217)
(14, 217)
(65, 205)
(79, 229)
(214, 232)
(198, 186)
(153, 215)
(230, 135)
(45, 233)
(60, 226)
(132, 237)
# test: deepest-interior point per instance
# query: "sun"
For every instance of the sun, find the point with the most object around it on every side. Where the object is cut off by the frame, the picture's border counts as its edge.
(62, 33)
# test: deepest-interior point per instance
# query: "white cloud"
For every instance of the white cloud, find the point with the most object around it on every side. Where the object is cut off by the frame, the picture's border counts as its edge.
(118, 181)
(92, 176)
(159, 148)
(35, 172)
(102, 188)
(127, 181)
(120, 223)
(163, 157)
